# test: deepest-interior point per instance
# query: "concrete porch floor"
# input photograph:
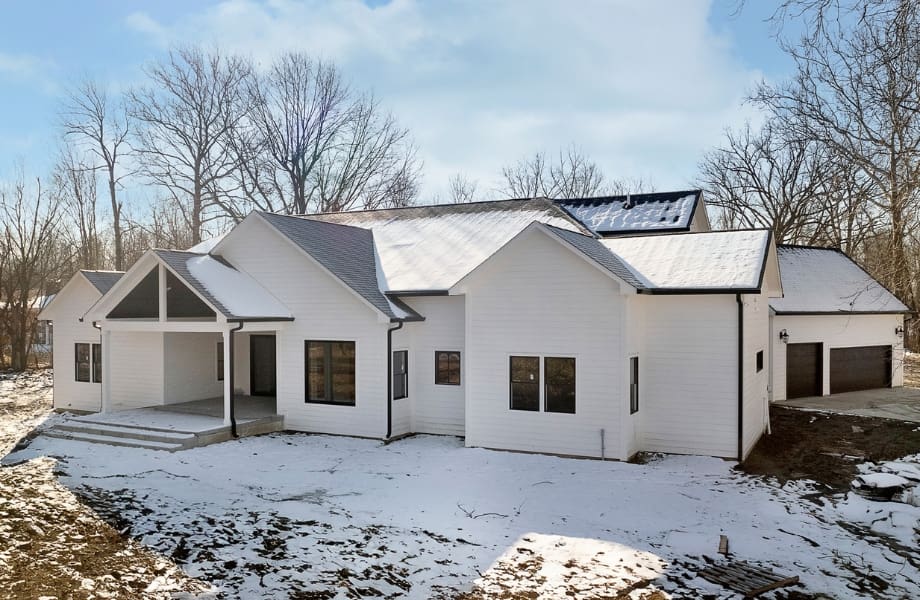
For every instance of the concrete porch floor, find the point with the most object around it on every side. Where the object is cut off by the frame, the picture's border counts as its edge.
(246, 407)
(902, 403)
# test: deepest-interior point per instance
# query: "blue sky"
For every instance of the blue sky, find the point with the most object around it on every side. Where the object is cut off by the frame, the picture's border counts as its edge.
(643, 87)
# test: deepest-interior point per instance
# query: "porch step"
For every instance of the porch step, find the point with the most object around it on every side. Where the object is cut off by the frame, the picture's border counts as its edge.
(112, 441)
(145, 434)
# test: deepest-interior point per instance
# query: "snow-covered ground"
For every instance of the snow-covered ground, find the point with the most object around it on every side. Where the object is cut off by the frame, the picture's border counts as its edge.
(25, 401)
(328, 517)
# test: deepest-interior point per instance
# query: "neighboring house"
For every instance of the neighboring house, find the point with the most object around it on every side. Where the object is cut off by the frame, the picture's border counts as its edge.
(599, 327)
(836, 330)
(76, 359)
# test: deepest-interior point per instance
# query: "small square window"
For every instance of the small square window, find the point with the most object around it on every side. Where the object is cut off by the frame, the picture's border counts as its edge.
(446, 367)
(400, 374)
(759, 361)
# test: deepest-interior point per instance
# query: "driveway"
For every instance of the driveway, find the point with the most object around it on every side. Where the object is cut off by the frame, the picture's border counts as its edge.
(889, 403)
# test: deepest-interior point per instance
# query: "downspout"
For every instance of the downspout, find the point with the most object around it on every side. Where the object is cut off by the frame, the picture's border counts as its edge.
(740, 377)
(390, 379)
(232, 388)
(99, 327)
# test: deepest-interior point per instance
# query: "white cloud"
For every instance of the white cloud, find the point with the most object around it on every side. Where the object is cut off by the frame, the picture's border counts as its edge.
(643, 87)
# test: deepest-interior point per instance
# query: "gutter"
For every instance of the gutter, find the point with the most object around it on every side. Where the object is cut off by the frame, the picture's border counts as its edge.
(390, 331)
(239, 325)
(740, 377)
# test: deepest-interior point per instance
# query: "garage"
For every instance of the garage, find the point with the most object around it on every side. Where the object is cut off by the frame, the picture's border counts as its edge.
(862, 368)
(803, 370)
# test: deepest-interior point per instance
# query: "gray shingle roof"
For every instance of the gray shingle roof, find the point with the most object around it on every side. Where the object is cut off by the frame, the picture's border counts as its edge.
(178, 262)
(596, 251)
(102, 280)
(826, 280)
(345, 251)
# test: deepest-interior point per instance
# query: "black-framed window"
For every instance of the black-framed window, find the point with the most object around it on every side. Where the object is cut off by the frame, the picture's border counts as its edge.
(759, 361)
(97, 363)
(525, 382)
(400, 374)
(330, 372)
(220, 361)
(633, 385)
(559, 374)
(88, 362)
(446, 367)
(82, 362)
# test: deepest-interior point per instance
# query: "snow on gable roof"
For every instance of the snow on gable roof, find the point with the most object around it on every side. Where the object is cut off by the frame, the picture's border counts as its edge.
(711, 261)
(205, 246)
(433, 247)
(233, 293)
(664, 211)
(825, 280)
(102, 280)
(596, 251)
(346, 252)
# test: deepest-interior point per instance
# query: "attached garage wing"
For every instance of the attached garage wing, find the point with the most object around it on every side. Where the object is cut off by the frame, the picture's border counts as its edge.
(803, 370)
(862, 368)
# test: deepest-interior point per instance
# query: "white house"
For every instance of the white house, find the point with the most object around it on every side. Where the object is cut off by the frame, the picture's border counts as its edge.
(836, 329)
(598, 327)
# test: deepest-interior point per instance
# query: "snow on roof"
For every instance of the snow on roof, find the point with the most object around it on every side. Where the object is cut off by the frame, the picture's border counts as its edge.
(596, 251)
(825, 280)
(717, 260)
(665, 211)
(433, 247)
(102, 280)
(234, 294)
(205, 246)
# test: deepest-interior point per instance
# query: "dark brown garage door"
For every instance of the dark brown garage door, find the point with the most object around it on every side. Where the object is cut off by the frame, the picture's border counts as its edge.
(862, 368)
(803, 370)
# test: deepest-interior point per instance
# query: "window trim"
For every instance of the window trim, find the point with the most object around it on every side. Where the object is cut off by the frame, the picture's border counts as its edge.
(536, 383)
(634, 384)
(404, 374)
(94, 364)
(327, 372)
(437, 371)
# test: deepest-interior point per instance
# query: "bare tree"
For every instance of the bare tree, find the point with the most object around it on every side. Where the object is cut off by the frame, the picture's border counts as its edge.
(462, 190)
(100, 124)
(857, 92)
(75, 185)
(29, 219)
(188, 114)
(570, 174)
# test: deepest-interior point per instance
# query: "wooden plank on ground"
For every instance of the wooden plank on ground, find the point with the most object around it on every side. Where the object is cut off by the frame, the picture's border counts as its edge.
(747, 579)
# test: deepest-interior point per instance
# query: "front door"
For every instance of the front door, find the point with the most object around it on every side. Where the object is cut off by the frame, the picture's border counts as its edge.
(262, 375)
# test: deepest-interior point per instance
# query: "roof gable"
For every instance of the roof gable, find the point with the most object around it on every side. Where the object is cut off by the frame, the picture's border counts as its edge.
(826, 280)
(636, 213)
(102, 280)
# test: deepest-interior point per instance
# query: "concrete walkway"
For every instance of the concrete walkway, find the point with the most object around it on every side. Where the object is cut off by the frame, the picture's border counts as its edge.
(902, 404)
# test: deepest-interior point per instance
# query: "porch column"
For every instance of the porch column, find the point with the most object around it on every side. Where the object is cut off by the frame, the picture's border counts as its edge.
(106, 371)
(228, 384)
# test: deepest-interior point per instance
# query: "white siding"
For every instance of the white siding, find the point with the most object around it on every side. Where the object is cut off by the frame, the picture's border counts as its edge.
(191, 367)
(137, 368)
(437, 409)
(634, 325)
(536, 298)
(74, 300)
(835, 331)
(756, 338)
(323, 309)
(689, 398)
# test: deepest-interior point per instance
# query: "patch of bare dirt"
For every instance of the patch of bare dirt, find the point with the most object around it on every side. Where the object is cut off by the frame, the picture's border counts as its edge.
(826, 447)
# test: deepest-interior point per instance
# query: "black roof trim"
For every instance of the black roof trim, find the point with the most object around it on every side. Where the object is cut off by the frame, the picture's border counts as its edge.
(410, 293)
(697, 291)
(803, 313)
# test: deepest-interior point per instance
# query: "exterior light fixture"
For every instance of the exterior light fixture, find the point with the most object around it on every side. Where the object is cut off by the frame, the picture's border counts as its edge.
(899, 330)
(784, 336)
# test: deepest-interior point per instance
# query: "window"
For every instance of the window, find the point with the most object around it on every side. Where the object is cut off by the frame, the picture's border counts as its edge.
(759, 361)
(400, 374)
(633, 385)
(330, 372)
(82, 360)
(220, 361)
(88, 362)
(560, 384)
(525, 383)
(447, 368)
